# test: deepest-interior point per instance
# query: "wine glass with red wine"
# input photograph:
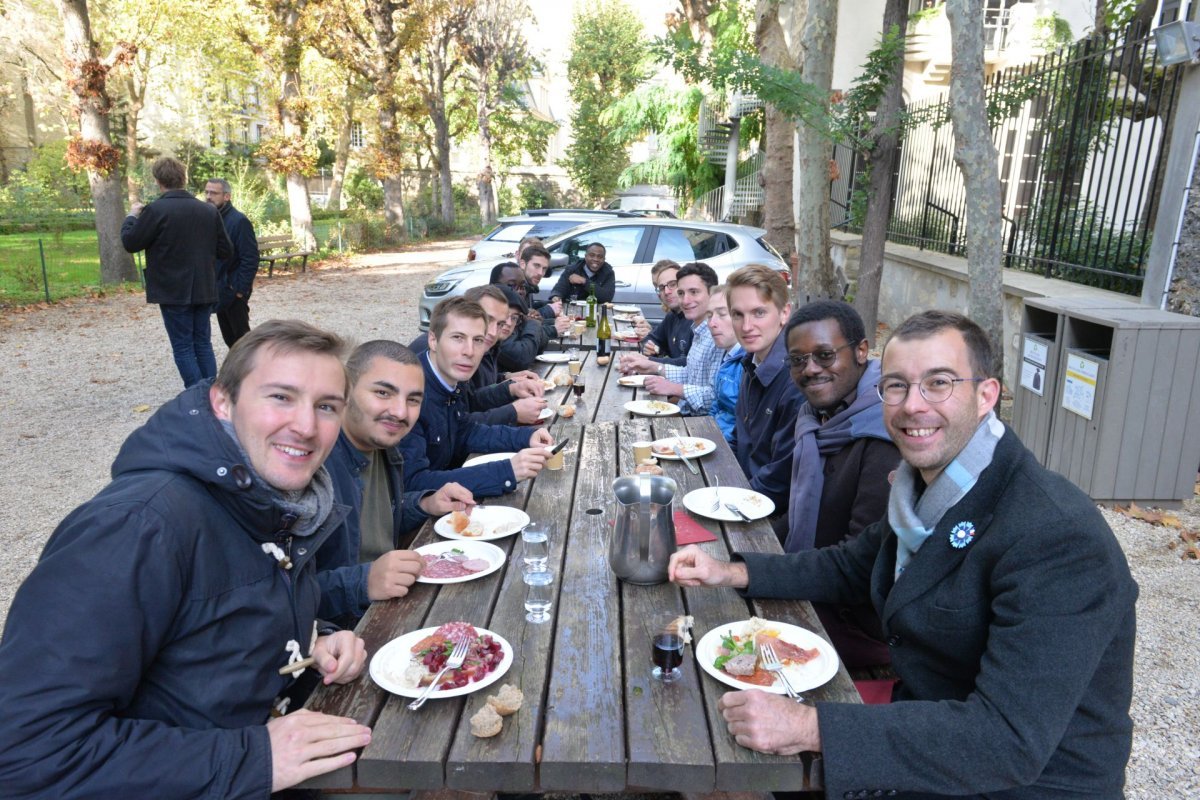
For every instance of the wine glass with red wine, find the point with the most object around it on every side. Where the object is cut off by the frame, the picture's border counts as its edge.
(667, 655)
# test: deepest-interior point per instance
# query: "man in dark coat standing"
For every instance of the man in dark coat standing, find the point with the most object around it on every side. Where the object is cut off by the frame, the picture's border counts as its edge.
(183, 238)
(235, 275)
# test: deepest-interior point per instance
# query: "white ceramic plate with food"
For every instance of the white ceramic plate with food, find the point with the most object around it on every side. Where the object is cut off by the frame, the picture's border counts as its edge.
(626, 309)
(632, 380)
(803, 677)
(459, 561)
(554, 358)
(389, 665)
(484, 523)
(692, 447)
(651, 408)
(487, 459)
(748, 501)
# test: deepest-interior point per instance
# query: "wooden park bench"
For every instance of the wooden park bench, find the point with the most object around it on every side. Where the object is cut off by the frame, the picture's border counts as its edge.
(281, 248)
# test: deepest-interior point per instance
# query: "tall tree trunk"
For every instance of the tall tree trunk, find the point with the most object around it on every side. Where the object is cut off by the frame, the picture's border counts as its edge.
(484, 182)
(93, 149)
(445, 179)
(779, 217)
(815, 273)
(392, 149)
(881, 161)
(293, 125)
(135, 91)
(976, 157)
(341, 150)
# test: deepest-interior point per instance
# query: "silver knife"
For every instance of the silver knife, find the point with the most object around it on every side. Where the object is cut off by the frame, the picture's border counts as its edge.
(738, 511)
(679, 452)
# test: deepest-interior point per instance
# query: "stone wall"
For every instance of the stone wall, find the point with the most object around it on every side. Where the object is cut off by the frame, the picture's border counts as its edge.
(915, 280)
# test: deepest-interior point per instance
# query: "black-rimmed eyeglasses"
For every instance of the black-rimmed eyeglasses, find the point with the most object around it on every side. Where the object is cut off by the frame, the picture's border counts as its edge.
(935, 388)
(823, 358)
(666, 287)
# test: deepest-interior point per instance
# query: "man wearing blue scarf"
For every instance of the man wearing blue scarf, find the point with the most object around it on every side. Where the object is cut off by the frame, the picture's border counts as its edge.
(842, 458)
(1005, 598)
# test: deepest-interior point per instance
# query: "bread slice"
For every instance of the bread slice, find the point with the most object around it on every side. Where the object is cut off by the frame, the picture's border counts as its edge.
(507, 701)
(486, 723)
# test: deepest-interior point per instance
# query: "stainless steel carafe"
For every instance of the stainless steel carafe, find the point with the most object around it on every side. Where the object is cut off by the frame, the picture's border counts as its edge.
(643, 538)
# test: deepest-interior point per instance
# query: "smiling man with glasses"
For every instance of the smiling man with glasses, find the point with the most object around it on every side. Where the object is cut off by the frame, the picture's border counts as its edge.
(1006, 601)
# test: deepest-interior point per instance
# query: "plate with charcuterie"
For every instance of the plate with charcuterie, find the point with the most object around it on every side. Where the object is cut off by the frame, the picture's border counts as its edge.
(458, 561)
(730, 654)
(408, 663)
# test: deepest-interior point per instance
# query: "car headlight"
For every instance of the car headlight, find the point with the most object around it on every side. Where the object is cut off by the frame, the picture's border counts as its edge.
(439, 288)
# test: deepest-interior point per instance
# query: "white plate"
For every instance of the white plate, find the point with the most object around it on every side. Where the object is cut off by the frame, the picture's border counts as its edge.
(388, 665)
(626, 309)
(473, 549)
(498, 522)
(701, 447)
(553, 358)
(487, 459)
(651, 408)
(546, 413)
(632, 380)
(803, 676)
(752, 504)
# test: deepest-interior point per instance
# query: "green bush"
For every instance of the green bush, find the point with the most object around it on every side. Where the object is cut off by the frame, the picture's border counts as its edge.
(537, 193)
(362, 191)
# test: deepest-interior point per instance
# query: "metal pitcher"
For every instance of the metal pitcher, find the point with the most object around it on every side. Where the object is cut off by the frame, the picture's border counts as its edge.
(643, 538)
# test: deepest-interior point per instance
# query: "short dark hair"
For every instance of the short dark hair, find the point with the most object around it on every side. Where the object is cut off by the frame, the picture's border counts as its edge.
(512, 298)
(596, 244)
(224, 184)
(283, 336)
(851, 324)
(499, 269)
(930, 323)
(477, 293)
(706, 273)
(459, 307)
(660, 265)
(534, 250)
(169, 172)
(367, 352)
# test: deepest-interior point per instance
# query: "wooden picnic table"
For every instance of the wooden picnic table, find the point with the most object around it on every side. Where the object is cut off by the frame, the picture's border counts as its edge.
(593, 719)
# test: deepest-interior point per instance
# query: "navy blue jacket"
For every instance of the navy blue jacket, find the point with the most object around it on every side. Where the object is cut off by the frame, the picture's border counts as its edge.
(767, 405)
(605, 282)
(141, 656)
(673, 335)
(445, 435)
(488, 397)
(343, 579)
(235, 274)
(543, 308)
(183, 238)
(520, 350)
(1014, 653)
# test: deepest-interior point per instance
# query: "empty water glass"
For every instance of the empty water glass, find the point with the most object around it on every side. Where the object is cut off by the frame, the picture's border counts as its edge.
(539, 594)
(535, 541)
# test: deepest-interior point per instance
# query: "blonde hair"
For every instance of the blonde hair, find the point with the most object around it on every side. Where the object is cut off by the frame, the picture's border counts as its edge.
(768, 282)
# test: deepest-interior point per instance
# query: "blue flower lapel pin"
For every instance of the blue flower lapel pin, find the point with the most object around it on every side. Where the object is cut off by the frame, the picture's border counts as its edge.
(962, 534)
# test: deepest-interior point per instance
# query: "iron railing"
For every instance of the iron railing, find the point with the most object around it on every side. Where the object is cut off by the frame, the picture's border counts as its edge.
(1081, 138)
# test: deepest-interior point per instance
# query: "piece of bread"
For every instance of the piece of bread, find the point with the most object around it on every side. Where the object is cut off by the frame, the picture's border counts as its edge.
(563, 379)
(649, 469)
(459, 521)
(507, 701)
(566, 412)
(486, 723)
(602, 360)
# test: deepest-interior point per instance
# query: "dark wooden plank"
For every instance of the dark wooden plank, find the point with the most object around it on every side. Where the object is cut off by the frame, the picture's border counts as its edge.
(506, 762)
(669, 744)
(584, 739)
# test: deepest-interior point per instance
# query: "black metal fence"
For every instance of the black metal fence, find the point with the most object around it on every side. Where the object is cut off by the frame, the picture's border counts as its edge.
(1081, 136)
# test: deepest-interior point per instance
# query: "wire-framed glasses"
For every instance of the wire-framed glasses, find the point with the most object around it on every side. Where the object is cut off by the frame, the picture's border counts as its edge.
(934, 388)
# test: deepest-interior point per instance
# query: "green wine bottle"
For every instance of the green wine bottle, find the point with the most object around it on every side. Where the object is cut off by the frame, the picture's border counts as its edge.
(591, 304)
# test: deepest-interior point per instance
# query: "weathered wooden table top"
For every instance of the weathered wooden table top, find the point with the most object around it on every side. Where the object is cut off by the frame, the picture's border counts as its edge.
(593, 719)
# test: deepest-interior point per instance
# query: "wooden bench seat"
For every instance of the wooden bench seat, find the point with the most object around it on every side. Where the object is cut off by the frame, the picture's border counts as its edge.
(281, 248)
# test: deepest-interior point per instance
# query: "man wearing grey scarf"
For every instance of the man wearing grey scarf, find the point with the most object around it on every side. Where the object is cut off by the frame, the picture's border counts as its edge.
(1005, 599)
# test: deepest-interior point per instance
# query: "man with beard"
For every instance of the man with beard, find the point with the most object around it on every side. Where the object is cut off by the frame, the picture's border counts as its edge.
(235, 275)
(141, 656)
(578, 280)
(1006, 601)
(519, 350)
(842, 458)
(534, 260)
(366, 559)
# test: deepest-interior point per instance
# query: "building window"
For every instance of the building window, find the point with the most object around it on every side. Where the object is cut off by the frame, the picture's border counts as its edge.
(356, 134)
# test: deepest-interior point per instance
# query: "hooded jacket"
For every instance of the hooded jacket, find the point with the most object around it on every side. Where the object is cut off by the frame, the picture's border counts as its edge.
(141, 655)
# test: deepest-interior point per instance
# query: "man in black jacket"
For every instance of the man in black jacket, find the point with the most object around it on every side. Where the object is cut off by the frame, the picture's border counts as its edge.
(577, 279)
(235, 275)
(183, 238)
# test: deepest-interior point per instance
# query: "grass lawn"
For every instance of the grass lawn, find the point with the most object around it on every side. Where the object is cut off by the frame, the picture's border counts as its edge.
(72, 266)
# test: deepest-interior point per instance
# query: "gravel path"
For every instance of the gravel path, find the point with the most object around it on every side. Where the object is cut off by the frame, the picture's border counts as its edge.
(75, 375)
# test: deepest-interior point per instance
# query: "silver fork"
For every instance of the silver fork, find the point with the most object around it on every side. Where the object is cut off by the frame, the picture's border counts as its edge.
(457, 656)
(716, 506)
(771, 663)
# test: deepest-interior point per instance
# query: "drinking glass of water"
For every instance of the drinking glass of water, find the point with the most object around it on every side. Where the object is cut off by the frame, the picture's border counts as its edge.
(535, 543)
(539, 594)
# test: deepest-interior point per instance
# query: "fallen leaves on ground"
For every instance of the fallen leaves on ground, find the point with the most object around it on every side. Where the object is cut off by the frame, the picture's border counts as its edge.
(1191, 545)
(142, 408)
(1165, 518)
